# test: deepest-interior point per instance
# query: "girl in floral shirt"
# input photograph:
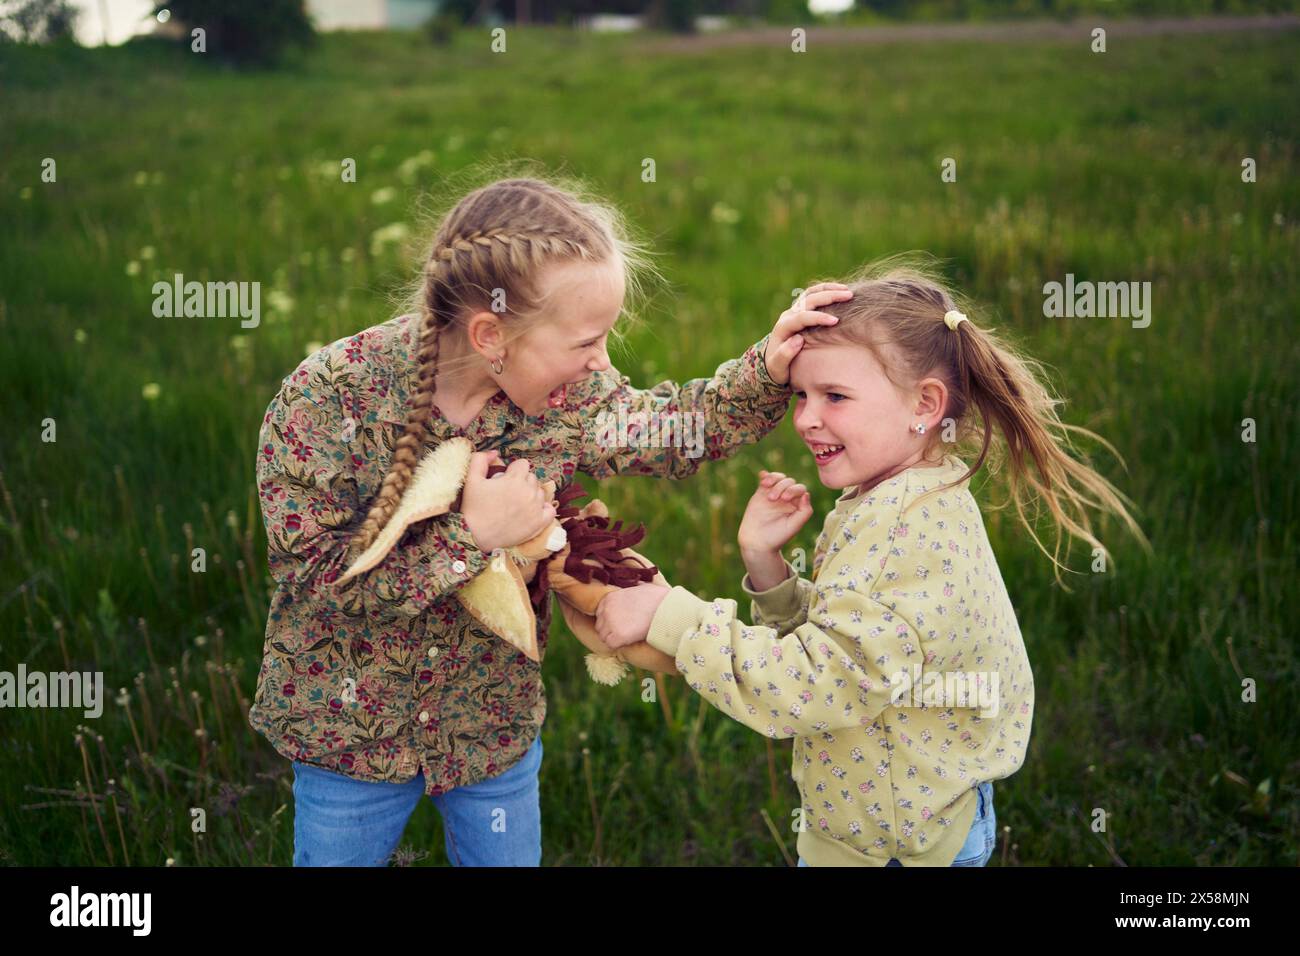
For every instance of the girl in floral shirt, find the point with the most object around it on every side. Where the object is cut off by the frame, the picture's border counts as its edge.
(383, 688)
(899, 668)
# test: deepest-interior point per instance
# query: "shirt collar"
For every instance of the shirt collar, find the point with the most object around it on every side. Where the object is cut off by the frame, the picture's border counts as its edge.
(924, 479)
(403, 352)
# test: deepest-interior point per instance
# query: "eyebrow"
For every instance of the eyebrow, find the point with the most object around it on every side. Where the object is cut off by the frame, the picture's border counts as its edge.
(829, 387)
(591, 336)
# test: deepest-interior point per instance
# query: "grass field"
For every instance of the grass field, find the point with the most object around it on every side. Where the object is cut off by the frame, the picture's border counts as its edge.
(773, 168)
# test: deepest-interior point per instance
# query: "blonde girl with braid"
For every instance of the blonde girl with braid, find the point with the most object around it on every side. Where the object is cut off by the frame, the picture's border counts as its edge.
(383, 688)
(898, 669)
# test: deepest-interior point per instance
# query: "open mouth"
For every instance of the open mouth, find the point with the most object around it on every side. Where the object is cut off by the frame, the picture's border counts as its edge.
(826, 453)
(558, 395)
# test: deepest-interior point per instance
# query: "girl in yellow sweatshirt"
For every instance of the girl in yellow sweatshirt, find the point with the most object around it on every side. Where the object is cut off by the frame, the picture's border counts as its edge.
(899, 667)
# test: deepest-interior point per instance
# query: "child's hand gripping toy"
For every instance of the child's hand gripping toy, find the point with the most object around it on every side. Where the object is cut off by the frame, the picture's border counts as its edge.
(579, 557)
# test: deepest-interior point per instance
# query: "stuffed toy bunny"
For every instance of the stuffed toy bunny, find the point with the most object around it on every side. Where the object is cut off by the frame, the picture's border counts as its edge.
(580, 558)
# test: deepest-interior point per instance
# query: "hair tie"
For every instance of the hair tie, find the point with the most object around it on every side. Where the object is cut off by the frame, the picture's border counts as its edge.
(952, 318)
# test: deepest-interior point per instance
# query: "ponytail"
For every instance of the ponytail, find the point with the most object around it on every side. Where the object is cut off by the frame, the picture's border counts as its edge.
(901, 308)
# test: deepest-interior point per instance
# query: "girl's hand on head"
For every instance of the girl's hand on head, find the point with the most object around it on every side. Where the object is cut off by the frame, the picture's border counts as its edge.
(785, 341)
(623, 616)
(774, 515)
(507, 509)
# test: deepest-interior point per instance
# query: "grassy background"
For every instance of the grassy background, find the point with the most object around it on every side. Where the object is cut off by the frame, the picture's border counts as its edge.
(772, 169)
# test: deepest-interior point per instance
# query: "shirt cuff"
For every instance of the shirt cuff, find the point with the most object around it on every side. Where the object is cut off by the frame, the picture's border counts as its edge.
(760, 368)
(462, 557)
(679, 613)
(780, 601)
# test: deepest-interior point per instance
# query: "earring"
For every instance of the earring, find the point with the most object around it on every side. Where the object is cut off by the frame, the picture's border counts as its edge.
(498, 366)
(919, 428)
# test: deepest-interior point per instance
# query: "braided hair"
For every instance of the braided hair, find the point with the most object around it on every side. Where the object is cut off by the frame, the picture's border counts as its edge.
(494, 242)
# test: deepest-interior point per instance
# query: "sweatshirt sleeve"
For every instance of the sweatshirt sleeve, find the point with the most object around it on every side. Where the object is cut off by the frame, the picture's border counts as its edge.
(668, 430)
(310, 508)
(783, 606)
(782, 684)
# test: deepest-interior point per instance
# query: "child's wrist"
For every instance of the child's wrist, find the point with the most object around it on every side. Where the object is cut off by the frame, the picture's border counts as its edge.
(766, 568)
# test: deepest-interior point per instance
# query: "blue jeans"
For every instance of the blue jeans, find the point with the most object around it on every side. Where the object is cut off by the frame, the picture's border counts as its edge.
(983, 833)
(340, 821)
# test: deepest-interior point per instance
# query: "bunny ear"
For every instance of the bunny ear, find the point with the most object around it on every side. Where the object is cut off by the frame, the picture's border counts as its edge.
(498, 599)
(434, 486)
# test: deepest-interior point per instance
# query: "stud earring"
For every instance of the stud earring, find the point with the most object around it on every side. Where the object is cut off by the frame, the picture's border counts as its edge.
(919, 428)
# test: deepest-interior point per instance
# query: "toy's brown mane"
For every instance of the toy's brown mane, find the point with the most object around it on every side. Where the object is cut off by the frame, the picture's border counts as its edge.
(594, 547)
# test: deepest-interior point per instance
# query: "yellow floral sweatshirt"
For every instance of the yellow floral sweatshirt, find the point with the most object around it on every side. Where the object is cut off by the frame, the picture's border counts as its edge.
(899, 669)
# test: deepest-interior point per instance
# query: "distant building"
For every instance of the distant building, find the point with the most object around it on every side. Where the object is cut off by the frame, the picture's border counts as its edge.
(371, 14)
(116, 21)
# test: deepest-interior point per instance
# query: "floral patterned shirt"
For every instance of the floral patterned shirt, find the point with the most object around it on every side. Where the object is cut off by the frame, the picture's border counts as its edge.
(899, 670)
(388, 675)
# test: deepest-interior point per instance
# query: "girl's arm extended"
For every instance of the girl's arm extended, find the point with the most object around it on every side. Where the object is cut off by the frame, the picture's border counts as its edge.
(783, 684)
(308, 489)
(667, 431)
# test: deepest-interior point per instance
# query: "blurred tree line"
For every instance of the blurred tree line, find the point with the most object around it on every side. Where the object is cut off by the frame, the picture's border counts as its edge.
(667, 14)
(677, 12)
(37, 21)
(258, 32)
(1006, 9)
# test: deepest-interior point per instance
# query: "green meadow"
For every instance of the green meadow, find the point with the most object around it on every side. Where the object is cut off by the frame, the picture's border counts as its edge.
(772, 169)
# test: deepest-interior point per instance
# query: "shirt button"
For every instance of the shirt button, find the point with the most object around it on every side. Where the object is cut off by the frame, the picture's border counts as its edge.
(424, 716)
(433, 652)
(458, 567)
